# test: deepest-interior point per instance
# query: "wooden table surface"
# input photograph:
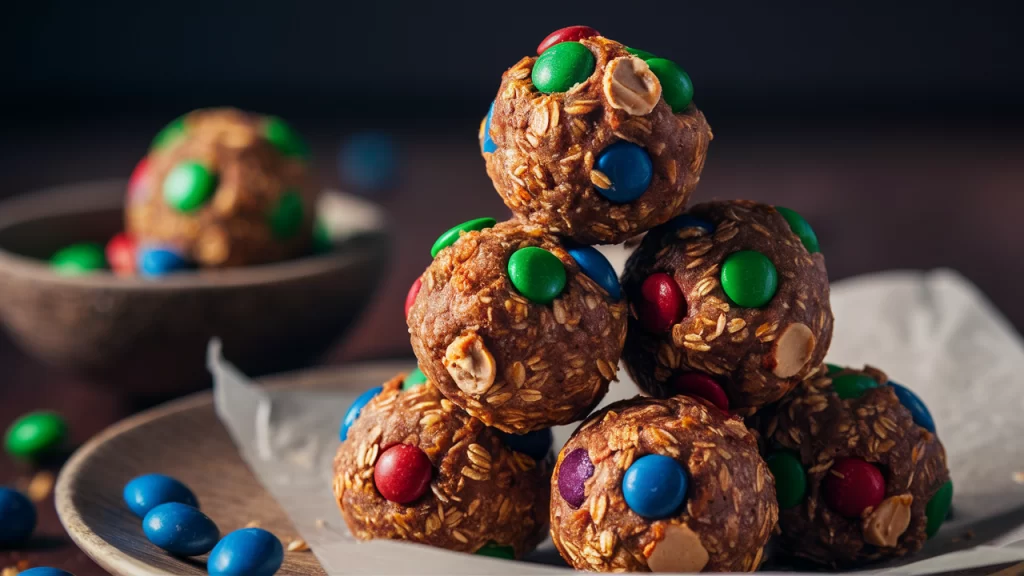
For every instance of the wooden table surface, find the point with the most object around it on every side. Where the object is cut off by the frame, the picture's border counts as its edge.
(878, 200)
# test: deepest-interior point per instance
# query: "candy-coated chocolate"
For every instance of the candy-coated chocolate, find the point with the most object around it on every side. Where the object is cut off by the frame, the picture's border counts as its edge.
(36, 434)
(138, 182)
(188, 186)
(676, 88)
(661, 304)
(655, 486)
(45, 571)
(285, 217)
(537, 274)
(169, 134)
(562, 66)
(414, 379)
(496, 551)
(452, 234)
(684, 222)
(790, 478)
(536, 444)
(410, 298)
(598, 269)
(749, 278)
(918, 411)
(851, 386)
(322, 243)
(180, 529)
(852, 486)
(938, 508)
(641, 54)
(402, 473)
(79, 259)
(353, 411)
(832, 368)
(246, 552)
(143, 493)
(701, 386)
(120, 253)
(628, 170)
(567, 34)
(283, 137)
(17, 517)
(156, 261)
(801, 228)
(369, 161)
(575, 470)
(488, 144)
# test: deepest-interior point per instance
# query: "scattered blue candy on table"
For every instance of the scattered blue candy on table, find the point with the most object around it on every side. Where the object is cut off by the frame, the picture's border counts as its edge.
(154, 262)
(17, 517)
(628, 170)
(655, 486)
(488, 144)
(686, 221)
(180, 529)
(918, 410)
(598, 269)
(246, 552)
(353, 411)
(146, 492)
(45, 571)
(536, 444)
(369, 161)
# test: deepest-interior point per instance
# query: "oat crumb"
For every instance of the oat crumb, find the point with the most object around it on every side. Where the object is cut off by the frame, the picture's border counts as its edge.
(9, 571)
(40, 486)
(298, 545)
(253, 524)
(321, 523)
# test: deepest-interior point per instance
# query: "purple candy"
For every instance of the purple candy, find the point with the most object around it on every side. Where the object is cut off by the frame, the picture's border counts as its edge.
(575, 470)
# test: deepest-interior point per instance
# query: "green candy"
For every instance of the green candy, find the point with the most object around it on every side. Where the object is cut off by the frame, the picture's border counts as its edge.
(938, 508)
(676, 88)
(537, 274)
(563, 66)
(284, 138)
(79, 259)
(448, 238)
(790, 478)
(641, 54)
(188, 186)
(801, 228)
(169, 134)
(850, 386)
(833, 369)
(496, 551)
(749, 278)
(285, 218)
(414, 379)
(36, 434)
(322, 243)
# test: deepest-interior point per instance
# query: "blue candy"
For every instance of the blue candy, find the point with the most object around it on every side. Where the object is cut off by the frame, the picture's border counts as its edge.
(922, 417)
(144, 493)
(17, 517)
(655, 486)
(180, 529)
(597, 267)
(45, 571)
(353, 411)
(369, 161)
(488, 144)
(686, 221)
(246, 552)
(629, 169)
(536, 445)
(155, 261)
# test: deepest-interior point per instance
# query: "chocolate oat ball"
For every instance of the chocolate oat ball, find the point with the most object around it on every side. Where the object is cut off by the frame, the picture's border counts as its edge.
(413, 466)
(593, 140)
(515, 327)
(669, 485)
(220, 188)
(730, 300)
(859, 471)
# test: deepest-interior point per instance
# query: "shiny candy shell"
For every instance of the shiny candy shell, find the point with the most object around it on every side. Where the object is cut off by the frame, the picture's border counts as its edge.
(120, 253)
(853, 485)
(537, 274)
(938, 508)
(598, 269)
(180, 529)
(686, 222)
(701, 386)
(625, 170)
(567, 34)
(285, 218)
(641, 54)
(17, 517)
(661, 304)
(170, 134)
(138, 183)
(676, 87)
(155, 261)
(79, 259)
(918, 411)
(402, 473)
(188, 186)
(36, 434)
(790, 478)
(655, 486)
(354, 410)
(45, 571)
(562, 66)
(414, 379)
(246, 552)
(148, 491)
(369, 161)
(801, 228)
(573, 473)
(488, 144)
(496, 551)
(853, 385)
(749, 278)
(536, 444)
(410, 298)
(452, 234)
(283, 137)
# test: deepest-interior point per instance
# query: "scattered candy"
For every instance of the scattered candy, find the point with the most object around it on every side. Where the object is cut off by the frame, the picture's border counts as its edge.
(78, 259)
(676, 88)
(562, 66)
(749, 278)
(402, 473)
(536, 444)
(661, 304)
(322, 243)
(790, 478)
(449, 237)
(625, 172)
(496, 551)
(488, 144)
(246, 552)
(120, 253)
(188, 186)
(598, 269)
(567, 34)
(138, 183)
(36, 434)
(369, 161)
(853, 485)
(575, 470)
(832, 369)
(284, 138)
(45, 571)
(286, 216)
(701, 386)
(169, 134)
(655, 486)
(146, 492)
(851, 386)
(938, 508)
(357, 406)
(410, 298)
(685, 222)
(918, 411)
(17, 517)
(801, 228)
(641, 54)
(153, 261)
(180, 529)
(537, 274)
(414, 379)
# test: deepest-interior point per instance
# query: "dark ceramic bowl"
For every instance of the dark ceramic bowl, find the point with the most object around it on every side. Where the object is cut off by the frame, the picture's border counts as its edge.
(148, 338)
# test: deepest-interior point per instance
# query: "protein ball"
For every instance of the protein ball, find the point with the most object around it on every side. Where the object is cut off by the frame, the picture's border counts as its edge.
(730, 291)
(668, 485)
(517, 328)
(416, 467)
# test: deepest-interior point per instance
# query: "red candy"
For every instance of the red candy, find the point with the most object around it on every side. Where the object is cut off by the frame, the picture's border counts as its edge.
(121, 254)
(701, 386)
(567, 34)
(138, 178)
(661, 303)
(402, 473)
(852, 486)
(410, 298)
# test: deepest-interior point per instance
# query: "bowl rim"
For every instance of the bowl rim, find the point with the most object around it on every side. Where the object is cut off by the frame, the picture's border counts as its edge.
(107, 194)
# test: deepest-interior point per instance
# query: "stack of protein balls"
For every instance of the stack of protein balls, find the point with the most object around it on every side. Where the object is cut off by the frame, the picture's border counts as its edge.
(722, 317)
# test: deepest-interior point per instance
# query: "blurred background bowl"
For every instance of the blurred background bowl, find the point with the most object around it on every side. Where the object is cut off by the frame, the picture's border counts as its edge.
(146, 338)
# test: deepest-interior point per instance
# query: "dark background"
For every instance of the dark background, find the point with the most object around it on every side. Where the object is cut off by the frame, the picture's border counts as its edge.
(894, 127)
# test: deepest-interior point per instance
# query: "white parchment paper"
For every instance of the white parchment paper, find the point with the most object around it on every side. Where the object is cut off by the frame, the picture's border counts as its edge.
(932, 331)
